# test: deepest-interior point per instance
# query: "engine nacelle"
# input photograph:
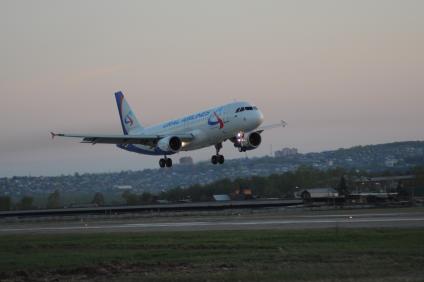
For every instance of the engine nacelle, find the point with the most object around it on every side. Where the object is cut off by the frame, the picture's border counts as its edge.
(170, 143)
(247, 142)
(254, 139)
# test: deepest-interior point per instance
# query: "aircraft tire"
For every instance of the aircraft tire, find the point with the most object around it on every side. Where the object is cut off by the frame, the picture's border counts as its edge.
(214, 159)
(168, 162)
(162, 163)
(221, 159)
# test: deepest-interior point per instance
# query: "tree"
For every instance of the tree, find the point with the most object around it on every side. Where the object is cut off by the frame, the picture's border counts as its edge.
(5, 203)
(98, 199)
(53, 201)
(146, 198)
(130, 198)
(402, 192)
(25, 203)
(342, 187)
(419, 173)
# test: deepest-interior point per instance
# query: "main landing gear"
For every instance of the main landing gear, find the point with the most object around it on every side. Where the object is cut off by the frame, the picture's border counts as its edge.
(165, 162)
(217, 158)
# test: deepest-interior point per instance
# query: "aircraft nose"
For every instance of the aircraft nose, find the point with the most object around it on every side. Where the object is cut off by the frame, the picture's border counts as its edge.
(259, 118)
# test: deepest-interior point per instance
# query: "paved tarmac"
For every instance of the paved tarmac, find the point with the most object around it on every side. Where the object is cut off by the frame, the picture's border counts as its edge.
(272, 220)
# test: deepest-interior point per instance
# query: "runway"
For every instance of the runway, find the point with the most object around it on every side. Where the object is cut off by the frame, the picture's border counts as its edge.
(304, 220)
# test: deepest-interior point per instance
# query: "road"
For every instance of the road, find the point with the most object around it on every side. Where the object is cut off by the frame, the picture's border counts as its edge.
(272, 220)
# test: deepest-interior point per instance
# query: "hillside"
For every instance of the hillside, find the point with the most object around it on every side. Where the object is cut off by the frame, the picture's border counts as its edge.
(399, 156)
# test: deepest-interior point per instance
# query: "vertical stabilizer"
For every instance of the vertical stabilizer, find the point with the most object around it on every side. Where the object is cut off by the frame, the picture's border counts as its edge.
(128, 120)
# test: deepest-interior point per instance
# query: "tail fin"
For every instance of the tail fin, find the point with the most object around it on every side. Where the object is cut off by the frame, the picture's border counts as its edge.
(128, 120)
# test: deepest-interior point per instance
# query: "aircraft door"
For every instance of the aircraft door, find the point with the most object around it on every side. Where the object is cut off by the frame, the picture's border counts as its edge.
(228, 114)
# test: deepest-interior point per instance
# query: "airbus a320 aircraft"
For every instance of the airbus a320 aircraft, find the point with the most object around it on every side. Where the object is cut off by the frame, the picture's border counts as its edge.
(238, 122)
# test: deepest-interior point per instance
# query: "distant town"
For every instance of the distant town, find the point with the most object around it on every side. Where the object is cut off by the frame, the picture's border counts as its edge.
(400, 156)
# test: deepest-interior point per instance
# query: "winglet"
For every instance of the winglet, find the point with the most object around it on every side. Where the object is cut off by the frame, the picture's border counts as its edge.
(270, 126)
(53, 135)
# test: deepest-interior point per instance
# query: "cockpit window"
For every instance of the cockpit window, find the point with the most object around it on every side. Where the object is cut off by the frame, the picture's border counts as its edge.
(241, 109)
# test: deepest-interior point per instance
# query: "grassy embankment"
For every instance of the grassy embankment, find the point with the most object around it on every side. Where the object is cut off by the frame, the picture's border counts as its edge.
(320, 255)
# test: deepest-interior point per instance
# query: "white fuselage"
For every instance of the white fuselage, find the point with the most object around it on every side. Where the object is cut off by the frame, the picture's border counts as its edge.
(208, 127)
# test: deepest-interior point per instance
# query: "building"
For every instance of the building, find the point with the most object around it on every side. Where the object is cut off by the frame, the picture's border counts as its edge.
(220, 198)
(285, 152)
(243, 194)
(390, 162)
(383, 184)
(123, 187)
(317, 193)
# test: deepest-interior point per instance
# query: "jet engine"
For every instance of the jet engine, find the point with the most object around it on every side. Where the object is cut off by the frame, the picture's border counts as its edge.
(170, 143)
(246, 142)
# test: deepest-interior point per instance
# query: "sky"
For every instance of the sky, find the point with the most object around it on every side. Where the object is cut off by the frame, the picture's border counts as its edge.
(340, 73)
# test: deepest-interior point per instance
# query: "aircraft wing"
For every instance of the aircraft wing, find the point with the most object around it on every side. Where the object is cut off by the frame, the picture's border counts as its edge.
(270, 126)
(148, 140)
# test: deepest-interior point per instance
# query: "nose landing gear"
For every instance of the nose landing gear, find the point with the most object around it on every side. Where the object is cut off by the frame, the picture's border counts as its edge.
(165, 162)
(217, 158)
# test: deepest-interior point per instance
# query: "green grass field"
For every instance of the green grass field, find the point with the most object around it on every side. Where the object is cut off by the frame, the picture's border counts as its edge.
(317, 255)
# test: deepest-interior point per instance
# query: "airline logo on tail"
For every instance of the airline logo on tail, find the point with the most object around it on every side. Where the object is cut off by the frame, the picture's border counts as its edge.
(215, 119)
(128, 119)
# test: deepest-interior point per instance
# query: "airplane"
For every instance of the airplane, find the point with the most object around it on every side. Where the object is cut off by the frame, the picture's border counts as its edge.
(238, 122)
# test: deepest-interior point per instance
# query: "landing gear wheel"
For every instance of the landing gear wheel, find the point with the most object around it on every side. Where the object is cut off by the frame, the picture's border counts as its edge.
(217, 158)
(214, 159)
(162, 163)
(168, 162)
